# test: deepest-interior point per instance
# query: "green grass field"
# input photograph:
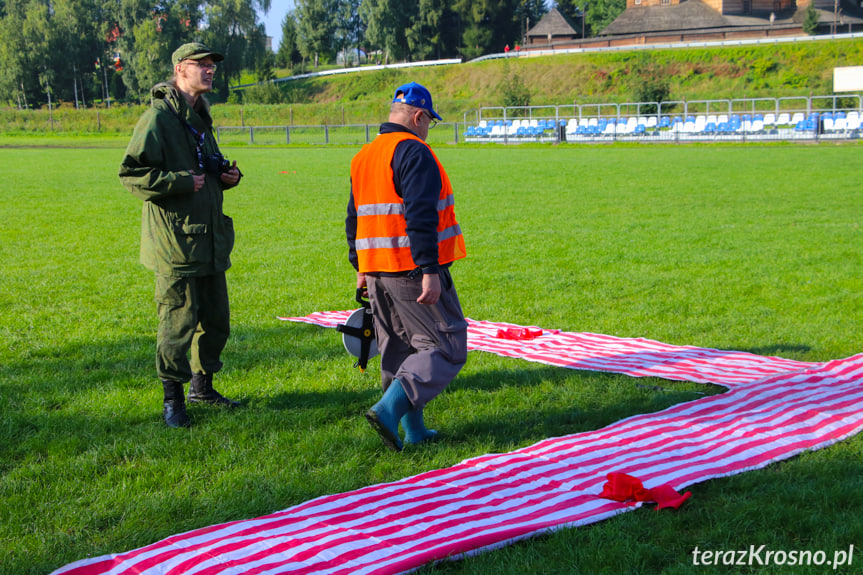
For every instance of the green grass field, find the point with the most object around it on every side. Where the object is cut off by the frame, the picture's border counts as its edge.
(754, 248)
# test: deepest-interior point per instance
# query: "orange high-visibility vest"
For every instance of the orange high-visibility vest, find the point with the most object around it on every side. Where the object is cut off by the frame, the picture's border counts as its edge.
(382, 242)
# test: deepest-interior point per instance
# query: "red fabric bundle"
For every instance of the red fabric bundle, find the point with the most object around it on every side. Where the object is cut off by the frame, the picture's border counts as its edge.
(519, 333)
(623, 487)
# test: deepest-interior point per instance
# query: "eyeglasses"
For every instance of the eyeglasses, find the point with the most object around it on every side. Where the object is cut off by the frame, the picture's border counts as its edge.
(432, 121)
(208, 67)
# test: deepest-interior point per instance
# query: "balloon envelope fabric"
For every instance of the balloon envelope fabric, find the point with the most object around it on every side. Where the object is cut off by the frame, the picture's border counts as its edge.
(774, 409)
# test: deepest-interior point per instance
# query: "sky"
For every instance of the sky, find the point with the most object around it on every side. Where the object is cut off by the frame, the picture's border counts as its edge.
(273, 19)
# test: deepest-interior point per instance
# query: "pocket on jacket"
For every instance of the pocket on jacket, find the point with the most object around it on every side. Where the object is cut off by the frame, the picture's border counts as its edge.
(193, 244)
(229, 235)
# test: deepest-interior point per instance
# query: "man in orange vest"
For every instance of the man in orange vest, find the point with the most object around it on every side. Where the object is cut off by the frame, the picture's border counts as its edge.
(402, 237)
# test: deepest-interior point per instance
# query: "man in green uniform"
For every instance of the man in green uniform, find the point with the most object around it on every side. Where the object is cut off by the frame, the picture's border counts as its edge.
(173, 163)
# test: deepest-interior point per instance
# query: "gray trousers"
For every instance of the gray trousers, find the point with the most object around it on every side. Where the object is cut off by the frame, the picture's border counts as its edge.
(424, 346)
(193, 316)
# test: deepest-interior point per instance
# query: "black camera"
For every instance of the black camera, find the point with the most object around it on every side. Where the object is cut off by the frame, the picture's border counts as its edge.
(216, 164)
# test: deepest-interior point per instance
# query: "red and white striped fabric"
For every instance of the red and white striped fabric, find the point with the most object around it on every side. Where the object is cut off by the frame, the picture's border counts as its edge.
(637, 357)
(783, 408)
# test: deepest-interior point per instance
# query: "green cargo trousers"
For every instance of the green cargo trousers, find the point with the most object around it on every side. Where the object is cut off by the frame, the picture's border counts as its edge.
(193, 315)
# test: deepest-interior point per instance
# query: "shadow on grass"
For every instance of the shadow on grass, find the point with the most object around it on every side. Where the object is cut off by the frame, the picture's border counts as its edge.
(784, 350)
(55, 391)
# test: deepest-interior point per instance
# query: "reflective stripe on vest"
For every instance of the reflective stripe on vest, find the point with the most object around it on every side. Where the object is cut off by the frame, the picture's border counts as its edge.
(382, 243)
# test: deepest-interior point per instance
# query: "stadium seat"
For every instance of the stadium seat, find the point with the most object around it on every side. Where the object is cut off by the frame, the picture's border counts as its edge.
(757, 125)
(689, 125)
(784, 119)
(769, 119)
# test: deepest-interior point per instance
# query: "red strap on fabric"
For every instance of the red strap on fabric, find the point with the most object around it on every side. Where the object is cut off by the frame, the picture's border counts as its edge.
(623, 487)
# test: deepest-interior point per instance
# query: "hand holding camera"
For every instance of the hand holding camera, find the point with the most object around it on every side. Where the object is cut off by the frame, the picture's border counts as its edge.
(232, 175)
(216, 163)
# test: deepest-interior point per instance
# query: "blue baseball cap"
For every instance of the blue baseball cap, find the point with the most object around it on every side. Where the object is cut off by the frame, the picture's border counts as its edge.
(417, 96)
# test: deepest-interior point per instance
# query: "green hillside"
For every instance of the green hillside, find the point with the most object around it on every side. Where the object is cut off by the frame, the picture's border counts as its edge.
(754, 71)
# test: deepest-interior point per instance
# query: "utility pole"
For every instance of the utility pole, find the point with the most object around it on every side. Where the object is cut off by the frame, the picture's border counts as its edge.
(75, 83)
(835, 14)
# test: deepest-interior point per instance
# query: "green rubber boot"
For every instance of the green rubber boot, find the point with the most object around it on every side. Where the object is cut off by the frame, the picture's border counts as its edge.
(384, 416)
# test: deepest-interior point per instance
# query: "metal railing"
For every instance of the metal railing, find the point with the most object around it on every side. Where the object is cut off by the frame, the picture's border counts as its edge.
(350, 134)
(735, 120)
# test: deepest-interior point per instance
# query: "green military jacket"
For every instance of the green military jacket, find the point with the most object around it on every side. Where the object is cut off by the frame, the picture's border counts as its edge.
(183, 232)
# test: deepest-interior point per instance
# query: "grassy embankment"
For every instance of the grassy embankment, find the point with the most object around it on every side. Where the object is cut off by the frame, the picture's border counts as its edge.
(777, 70)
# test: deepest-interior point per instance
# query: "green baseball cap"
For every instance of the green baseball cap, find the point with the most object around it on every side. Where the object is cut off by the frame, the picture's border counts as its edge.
(194, 51)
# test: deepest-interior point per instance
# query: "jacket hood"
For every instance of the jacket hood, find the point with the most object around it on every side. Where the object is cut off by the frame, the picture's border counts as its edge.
(167, 94)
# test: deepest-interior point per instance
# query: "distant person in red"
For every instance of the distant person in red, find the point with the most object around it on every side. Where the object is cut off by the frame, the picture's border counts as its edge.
(506, 49)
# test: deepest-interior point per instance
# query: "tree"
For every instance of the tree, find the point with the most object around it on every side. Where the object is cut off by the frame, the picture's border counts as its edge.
(349, 30)
(810, 21)
(488, 24)
(386, 24)
(316, 27)
(233, 29)
(289, 52)
(424, 35)
(149, 46)
(14, 79)
(602, 13)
